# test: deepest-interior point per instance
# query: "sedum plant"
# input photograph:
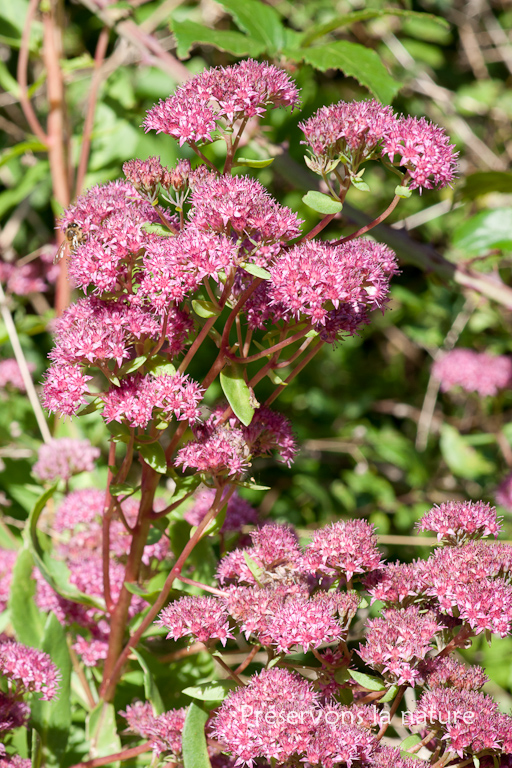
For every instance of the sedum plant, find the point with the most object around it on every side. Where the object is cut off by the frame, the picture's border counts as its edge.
(193, 276)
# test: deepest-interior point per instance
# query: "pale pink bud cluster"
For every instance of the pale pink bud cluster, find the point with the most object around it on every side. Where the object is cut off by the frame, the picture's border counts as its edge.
(397, 584)
(218, 98)
(29, 278)
(238, 512)
(351, 133)
(456, 522)
(10, 374)
(29, 669)
(473, 371)
(202, 617)
(64, 457)
(227, 448)
(163, 731)
(7, 560)
(447, 672)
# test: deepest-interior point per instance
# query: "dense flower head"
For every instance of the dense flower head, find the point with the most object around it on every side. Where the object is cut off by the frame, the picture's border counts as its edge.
(139, 399)
(445, 671)
(424, 149)
(29, 669)
(219, 450)
(219, 97)
(93, 331)
(7, 560)
(468, 579)
(13, 713)
(64, 457)
(14, 761)
(241, 207)
(337, 741)
(93, 208)
(391, 757)
(163, 731)
(238, 513)
(343, 548)
(10, 374)
(176, 266)
(315, 279)
(271, 717)
(398, 642)
(276, 553)
(470, 721)
(348, 129)
(27, 278)
(202, 617)
(398, 584)
(473, 371)
(456, 522)
(65, 387)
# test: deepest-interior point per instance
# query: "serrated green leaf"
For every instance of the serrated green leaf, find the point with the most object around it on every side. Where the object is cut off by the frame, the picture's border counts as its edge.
(123, 489)
(132, 365)
(157, 229)
(52, 719)
(101, 731)
(96, 405)
(188, 33)
(253, 269)
(463, 460)
(261, 22)
(237, 392)
(27, 621)
(390, 694)
(216, 691)
(321, 203)
(409, 742)
(355, 61)
(250, 162)
(403, 192)
(361, 185)
(150, 687)
(485, 231)
(346, 19)
(160, 366)
(253, 566)
(367, 681)
(205, 309)
(195, 751)
(154, 455)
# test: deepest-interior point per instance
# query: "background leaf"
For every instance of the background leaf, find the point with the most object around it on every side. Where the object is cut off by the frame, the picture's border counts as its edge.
(195, 752)
(188, 33)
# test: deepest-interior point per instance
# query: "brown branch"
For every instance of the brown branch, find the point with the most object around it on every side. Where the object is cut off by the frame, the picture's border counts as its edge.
(99, 55)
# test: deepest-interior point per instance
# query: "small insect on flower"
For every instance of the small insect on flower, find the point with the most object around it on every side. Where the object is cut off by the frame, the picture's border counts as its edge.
(73, 238)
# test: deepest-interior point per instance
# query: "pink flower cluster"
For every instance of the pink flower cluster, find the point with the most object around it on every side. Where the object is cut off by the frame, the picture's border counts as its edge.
(10, 374)
(7, 560)
(29, 669)
(351, 133)
(218, 98)
(470, 721)
(343, 549)
(473, 371)
(456, 522)
(64, 457)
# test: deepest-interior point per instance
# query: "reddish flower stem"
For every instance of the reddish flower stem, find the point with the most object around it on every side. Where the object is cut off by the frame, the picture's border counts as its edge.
(108, 508)
(392, 711)
(125, 754)
(391, 207)
(293, 374)
(99, 56)
(245, 663)
(316, 230)
(23, 57)
(112, 675)
(275, 348)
